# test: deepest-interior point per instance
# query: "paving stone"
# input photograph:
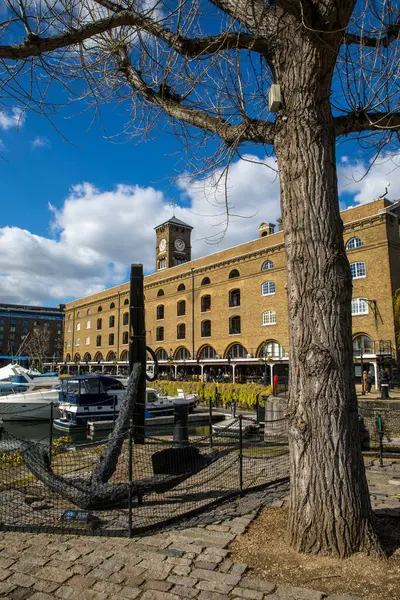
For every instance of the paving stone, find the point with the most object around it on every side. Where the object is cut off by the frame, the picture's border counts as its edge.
(6, 562)
(82, 582)
(134, 581)
(185, 592)
(216, 576)
(4, 573)
(210, 557)
(20, 593)
(45, 586)
(183, 581)
(66, 592)
(214, 586)
(343, 597)
(79, 569)
(239, 568)
(185, 562)
(209, 566)
(161, 586)
(53, 574)
(107, 587)
(257, 584)
(225, 566)
(212, 596)
(179, 570)
(222, 528)
(155, 595)
(41, 596)
(287, 592)
(6, 588)
(129, 592)
(246, 593)
(22, 580)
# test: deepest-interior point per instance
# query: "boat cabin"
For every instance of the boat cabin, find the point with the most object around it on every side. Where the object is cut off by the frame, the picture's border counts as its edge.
(89, 389)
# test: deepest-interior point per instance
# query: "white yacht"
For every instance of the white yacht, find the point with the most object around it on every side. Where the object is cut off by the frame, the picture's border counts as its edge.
(30, 406)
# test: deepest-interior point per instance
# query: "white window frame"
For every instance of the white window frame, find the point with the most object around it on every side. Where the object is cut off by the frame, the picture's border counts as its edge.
(267, 320)
(269, 267)
(270, 284)
(88, 324)
(359, 306)
(69, 328)
(68, 343)
(357, 243)
(78, 342)
(78, 326)
(357, 269)
(87, 341)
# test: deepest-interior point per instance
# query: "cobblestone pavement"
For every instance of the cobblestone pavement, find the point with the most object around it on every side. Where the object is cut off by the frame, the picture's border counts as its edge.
(186, 562)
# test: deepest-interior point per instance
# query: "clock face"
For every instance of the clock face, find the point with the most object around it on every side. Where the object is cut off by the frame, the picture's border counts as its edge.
(163, 245)
(180, 244)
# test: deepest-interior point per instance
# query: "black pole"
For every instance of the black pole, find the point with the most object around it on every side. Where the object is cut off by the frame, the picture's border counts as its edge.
(362, 369)
(241, 453)
(130, 478)
(380, 434)
(210, 408)
(137, 349)
(51, 431)
(114, 399)
(192, 271)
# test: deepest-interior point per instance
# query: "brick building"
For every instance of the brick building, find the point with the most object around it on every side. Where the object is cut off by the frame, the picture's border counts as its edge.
(228, 311)
(17, 324)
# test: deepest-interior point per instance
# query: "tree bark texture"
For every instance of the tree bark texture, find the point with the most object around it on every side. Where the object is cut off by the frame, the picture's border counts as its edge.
(330, 510)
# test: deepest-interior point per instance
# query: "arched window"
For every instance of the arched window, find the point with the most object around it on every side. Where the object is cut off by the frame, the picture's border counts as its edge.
(126, 301)
(207, 353)
(77, 342)
(358, 270)
(70, 316)
(160, 312)
(160, 293)
(68, 342)
(269, 317)
(87, 357)
(234, 273)
(181, 331)
(362, 344)
(359, 306)
(77, 357)
(125, 337)
(111, 356)
(112, 305)
(234, 325)
(160, 334)
(205, 281)
(98, 357)
(267, 265)
(68, 358)
(111, 339)
(111, 321)
(181, 287)
(98, 340)
(161, 354)
(181, 308)
(268, 288)
(125, 319)
(78, 326)
(124, 356)
(87, 341)
(69, 328)
(100, 308)
(234, 298)
(99, 323)
(88, 324)
(89, 311)
(182, 354)
(206, 328)
(237, 351)
(206, 303)
(354, 242)
(78, 315)
(271, 349)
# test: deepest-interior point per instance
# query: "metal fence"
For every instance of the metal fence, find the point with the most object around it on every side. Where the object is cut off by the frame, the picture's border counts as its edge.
(58, 488)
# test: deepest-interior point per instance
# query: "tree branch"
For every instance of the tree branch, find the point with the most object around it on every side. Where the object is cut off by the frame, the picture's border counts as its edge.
(392, 34)
(364, 121)
(256, 15)
(191, 47)
(251, 130)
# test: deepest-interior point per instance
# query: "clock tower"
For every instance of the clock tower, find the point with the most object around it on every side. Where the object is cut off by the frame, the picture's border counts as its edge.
(172, 243)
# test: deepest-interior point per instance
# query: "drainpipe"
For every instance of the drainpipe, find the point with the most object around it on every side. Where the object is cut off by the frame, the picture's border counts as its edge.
(192, 271)
(118, 330)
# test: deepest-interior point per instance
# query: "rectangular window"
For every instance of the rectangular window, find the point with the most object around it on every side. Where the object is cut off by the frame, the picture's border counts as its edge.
(358, 270)
(359, 306)
(24, 322)
(162, 263)
(13, 322)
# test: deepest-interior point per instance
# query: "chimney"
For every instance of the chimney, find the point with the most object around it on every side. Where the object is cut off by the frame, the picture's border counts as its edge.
(266, 229)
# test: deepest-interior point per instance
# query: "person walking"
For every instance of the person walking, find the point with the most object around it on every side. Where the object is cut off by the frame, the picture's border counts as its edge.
(364, 383)
(370, 380)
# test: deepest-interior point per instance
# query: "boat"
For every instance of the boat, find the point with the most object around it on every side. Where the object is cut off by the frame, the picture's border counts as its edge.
(92, 398)
(30, 406)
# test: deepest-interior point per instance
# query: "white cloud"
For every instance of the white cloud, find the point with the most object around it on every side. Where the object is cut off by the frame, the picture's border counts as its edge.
(40, 142)
(14, 117)
(367, 181)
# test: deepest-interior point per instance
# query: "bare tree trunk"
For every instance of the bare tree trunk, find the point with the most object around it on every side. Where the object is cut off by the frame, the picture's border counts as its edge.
(330, 511)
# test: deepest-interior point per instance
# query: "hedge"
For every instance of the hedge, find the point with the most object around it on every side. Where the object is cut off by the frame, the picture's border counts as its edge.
(225, 393)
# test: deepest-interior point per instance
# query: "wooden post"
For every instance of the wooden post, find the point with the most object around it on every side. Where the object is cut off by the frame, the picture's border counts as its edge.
(137, 349)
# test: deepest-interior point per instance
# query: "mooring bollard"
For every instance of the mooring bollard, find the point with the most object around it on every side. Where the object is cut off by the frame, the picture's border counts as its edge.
(181, 422)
